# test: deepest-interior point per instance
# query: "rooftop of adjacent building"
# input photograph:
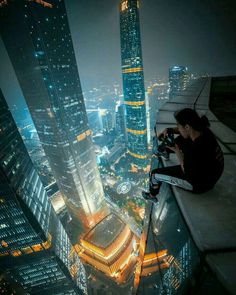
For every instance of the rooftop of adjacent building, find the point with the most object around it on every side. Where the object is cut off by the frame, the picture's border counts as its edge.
(105, 232)
(211, 217)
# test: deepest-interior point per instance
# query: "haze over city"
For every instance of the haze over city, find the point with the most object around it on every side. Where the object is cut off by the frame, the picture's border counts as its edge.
(197, 34)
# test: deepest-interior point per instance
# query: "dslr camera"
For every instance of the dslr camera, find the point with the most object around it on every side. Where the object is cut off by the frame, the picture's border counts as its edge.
(167, 140)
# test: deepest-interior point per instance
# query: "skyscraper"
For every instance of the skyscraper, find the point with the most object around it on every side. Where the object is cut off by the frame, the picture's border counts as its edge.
(178, 79)
(110, 251)
(107, 121)
(120, 123)
(133, 82)
(37, 37)
(35, 250)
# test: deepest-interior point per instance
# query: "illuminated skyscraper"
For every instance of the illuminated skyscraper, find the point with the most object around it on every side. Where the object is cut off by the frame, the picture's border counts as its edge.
(121, 124)
(133, 82)
(107, 121)
(37, 37)
(35, 250)
(178, 79)
(110, 247)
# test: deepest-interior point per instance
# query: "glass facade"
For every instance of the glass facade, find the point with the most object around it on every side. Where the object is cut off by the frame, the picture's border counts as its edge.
(121, 124)
(34, 247)
(133, 82)
(170, 259)
(178, 79)
(38, 40)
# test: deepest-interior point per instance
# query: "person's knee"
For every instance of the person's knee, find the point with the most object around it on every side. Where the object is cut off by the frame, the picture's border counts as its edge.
(155, 171)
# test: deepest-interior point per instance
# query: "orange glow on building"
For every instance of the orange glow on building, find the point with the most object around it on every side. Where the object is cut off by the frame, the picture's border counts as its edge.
(137, 156)
(136, 132)
(46, 245)
(112, 249)
(132, 70)
(134, 168)
(73, 270)
(83, 135)
(28, 250)
(16, 253)
(149, 258)
(153, 262)
(114, 254)
(4, 244)
(41, 2)
(123, 5)
(135, 103)
(37, 247)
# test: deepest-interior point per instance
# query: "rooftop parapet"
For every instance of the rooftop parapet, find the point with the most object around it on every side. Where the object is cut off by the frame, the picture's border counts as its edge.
(211, 216)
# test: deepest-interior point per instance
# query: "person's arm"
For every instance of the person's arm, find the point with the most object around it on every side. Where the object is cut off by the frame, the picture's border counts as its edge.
(165, 131)
(179, 155)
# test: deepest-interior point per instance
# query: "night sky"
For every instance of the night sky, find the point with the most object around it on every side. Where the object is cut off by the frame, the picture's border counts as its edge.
(199, 34)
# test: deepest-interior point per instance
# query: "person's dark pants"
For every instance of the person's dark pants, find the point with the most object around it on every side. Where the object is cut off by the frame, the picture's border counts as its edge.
(172, 174)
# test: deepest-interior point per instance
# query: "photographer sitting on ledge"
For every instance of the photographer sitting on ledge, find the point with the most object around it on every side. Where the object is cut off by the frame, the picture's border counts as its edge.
(200, 157)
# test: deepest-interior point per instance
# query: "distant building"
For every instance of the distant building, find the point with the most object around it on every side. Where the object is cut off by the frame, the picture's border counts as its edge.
(121, 133)
(35, 250)
(114, 153)
(107, 121)
(133, 82)
(37, 37)
(94, 121)
(178, 79)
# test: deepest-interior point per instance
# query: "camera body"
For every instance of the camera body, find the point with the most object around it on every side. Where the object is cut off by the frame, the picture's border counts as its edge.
(167, 140)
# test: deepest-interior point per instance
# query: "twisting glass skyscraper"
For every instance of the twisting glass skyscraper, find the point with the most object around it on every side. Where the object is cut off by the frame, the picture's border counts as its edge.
(133, 82)
(38, 40)
(35, 250)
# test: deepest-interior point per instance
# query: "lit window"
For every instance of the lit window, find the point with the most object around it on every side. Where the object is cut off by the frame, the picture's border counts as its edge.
(37, 247)
(16, 253)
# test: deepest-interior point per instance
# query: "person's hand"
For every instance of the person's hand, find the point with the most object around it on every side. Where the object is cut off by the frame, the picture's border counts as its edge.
(179, 154)
(162, 133)
(174, 149)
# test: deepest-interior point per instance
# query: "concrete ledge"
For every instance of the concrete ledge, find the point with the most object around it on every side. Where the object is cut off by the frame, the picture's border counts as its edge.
(224, 267)
(211, 217)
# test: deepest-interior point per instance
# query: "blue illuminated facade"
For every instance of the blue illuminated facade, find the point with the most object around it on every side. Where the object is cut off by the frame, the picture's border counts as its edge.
(35, 250)
(178, 79)
(37, 37)
(133, 82)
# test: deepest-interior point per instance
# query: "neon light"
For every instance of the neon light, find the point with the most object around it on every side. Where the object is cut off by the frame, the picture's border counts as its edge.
(136, 132)
(137, 156)
(83, 135)
(132, 70)
(135, 103)
(43, 3)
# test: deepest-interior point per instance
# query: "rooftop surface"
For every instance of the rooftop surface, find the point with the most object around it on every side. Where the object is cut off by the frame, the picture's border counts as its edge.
(105, 232)
(211, 217)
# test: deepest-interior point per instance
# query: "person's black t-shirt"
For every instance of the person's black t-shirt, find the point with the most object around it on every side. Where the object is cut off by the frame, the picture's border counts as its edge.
(203, 162)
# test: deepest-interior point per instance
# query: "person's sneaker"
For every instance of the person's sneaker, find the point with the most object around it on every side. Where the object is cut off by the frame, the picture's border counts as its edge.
(148, 197)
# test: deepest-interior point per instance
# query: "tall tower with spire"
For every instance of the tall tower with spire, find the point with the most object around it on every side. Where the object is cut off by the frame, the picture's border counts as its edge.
(133, 82)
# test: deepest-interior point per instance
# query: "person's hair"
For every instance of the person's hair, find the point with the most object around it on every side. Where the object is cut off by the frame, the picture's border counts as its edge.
(191, 117)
